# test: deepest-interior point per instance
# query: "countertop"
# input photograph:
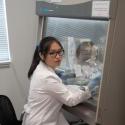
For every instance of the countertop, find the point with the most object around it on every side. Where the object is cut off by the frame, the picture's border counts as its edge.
(85, 111)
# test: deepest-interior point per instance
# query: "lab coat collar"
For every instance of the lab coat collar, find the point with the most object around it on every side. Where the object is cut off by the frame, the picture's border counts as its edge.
(48, 67)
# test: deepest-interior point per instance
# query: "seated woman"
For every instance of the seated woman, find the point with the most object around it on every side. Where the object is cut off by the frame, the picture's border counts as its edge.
(47, 92)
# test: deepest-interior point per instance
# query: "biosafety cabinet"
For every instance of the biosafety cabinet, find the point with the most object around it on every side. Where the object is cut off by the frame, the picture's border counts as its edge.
(89, 32)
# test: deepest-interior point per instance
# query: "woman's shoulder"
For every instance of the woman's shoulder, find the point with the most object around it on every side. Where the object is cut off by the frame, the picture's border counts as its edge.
(45, 72)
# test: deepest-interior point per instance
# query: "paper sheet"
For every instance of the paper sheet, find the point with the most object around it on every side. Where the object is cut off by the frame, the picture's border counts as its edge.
(100, 8)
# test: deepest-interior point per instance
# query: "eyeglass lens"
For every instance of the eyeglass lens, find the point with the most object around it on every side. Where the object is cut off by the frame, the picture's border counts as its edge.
(54, 53)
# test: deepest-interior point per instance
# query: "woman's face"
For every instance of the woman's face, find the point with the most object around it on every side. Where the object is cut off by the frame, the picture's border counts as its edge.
(54, 56)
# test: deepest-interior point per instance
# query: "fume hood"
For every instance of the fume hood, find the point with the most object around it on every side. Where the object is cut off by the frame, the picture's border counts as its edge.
(79, 23)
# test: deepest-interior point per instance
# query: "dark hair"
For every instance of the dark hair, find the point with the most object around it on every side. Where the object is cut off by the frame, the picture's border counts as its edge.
(42, 48)
(83, 47)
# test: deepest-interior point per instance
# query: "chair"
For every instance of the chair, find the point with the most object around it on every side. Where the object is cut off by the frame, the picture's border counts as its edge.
(7, 112)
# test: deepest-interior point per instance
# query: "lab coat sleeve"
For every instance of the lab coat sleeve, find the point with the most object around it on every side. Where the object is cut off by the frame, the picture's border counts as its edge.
(66, 95)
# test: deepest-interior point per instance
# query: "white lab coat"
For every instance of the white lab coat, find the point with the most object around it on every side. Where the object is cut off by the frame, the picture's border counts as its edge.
(47, 95)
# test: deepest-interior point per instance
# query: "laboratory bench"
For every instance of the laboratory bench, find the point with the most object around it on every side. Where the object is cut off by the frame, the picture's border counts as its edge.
(86, 111)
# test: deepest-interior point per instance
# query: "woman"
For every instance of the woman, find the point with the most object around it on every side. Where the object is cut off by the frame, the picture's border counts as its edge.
(47, 93)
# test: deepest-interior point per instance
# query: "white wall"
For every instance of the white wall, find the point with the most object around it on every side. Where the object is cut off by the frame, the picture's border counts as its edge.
(22, 26)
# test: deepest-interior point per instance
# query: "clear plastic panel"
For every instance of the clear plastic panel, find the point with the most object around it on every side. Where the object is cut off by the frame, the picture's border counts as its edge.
(84, 42)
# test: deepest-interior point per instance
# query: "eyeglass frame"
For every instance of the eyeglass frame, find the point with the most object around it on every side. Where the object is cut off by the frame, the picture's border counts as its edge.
(54, 53)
